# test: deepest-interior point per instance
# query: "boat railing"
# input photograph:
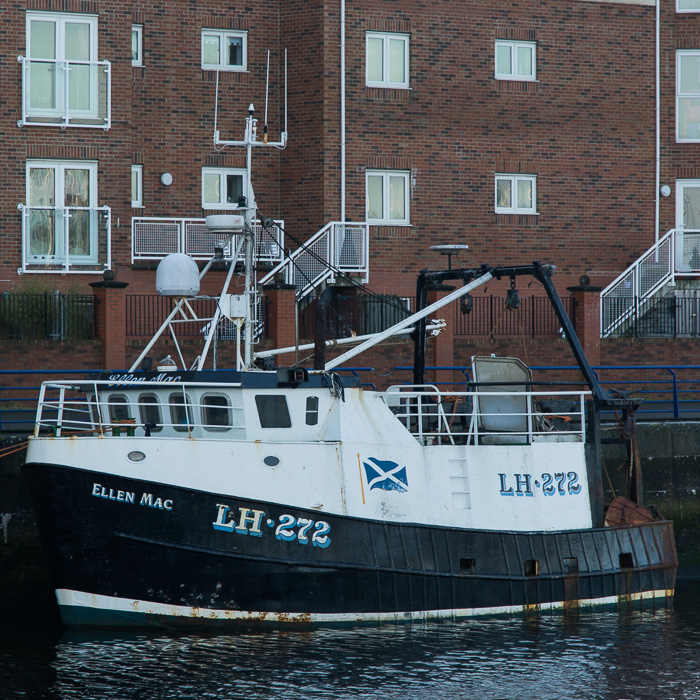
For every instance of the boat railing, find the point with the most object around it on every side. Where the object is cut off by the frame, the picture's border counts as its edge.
(489, 416)
(102, 407)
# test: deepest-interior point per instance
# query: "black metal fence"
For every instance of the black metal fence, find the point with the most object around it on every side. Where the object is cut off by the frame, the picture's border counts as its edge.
(477, 316)
(488, 315)
(145, 314)
(47, 316)
(667, 317)
(363, 314)
(358, 314)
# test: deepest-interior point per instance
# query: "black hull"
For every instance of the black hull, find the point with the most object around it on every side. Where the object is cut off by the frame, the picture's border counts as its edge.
(176, 557)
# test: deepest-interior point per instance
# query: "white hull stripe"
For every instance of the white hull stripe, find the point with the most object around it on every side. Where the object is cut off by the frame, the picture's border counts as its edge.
(79, 599)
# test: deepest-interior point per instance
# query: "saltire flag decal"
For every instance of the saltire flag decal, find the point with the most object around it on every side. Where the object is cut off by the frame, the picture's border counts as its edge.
(385, 474)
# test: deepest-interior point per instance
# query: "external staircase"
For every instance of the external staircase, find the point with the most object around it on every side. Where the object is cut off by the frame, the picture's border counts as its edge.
(640, 290)
(337, 249)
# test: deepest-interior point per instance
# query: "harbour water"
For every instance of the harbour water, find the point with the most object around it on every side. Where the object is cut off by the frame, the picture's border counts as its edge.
(608, 655)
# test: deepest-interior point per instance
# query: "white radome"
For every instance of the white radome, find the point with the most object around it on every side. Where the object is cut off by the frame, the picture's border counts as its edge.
(177, 276)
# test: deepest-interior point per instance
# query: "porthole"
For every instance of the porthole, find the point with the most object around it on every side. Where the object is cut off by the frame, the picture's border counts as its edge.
(136, 456)
(271, 461)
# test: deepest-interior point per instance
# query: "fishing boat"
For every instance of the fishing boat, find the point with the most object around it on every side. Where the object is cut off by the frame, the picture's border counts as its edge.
(173, 494)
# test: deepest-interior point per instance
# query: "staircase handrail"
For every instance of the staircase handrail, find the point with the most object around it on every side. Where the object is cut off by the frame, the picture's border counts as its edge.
(635, 290)
(330, 256)
(287, 262)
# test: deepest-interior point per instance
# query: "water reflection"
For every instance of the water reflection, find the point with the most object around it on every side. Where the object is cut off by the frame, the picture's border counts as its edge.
(597, 656)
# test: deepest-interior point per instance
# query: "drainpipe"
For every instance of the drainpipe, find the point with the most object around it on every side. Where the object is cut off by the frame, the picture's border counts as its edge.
(342, 110)
(658, 122)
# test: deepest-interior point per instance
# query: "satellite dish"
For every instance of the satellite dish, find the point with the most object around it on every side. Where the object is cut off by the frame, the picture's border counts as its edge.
(177, 276)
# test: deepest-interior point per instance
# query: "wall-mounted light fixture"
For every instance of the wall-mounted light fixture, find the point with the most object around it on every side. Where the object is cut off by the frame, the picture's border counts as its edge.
(166, 179)
(665, 190)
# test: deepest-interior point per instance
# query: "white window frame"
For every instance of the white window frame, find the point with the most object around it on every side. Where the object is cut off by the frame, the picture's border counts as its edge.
(137, 179)
(687, 9)
(59, 167)
(514, 46)
(205, 407)
(60, 19)
(514, 179)
(386, 175)
(137, 30)
(222, 35)
(685, 96)
(222, 173)
(386, 37)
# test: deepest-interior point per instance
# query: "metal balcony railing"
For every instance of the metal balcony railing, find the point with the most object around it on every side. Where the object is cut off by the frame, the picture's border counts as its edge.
(66, 93)
(688, 252)
(152, 238)
(66, 239)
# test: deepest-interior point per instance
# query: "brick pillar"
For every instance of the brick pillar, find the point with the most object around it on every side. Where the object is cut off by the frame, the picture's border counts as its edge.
(439, 350)
(587, 320)
(111, 322)
(281, 328)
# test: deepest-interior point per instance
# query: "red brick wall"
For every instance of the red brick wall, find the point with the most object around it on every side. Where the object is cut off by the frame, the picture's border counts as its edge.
(585, 128)
(382, 362)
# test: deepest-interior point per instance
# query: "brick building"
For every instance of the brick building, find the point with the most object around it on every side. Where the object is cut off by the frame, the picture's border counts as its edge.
(527, 130)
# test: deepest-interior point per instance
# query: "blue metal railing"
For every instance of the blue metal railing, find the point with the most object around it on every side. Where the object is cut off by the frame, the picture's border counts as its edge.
(669, 391)
(18, 401)
(676, 396)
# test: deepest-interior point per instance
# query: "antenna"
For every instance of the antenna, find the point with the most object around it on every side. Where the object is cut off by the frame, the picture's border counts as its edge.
(250, 138)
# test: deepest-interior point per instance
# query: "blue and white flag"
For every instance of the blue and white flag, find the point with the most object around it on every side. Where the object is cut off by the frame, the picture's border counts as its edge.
(385, 474)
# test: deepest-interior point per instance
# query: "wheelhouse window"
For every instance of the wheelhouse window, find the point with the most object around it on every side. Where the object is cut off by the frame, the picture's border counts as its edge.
(180, 412)
(515, 60)
(137, 185)
(388, 197)
(216, 412)
(224, 50)
(222, 187)
(64, 84)
(688, 95)
(150, 412)
(516, 194)
(387, 60)
(118, 408)
(136, 45)
(61, 212)
(273, 411)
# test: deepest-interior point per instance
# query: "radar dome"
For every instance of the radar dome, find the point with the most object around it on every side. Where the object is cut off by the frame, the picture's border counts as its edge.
(177, 276)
